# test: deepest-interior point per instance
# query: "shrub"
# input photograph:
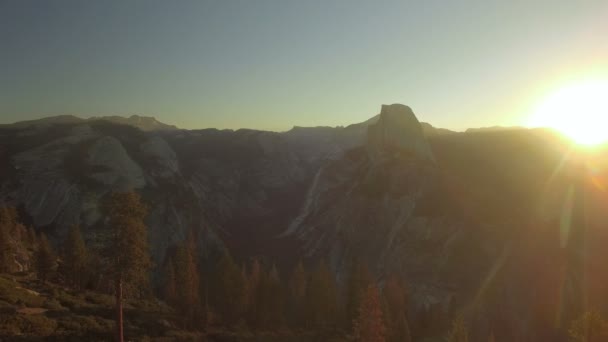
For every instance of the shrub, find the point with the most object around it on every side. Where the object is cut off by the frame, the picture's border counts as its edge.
(33, 325)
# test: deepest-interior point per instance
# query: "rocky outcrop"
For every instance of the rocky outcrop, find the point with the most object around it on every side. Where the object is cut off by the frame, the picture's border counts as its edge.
(113, 166)
(374, 204)
(323, 143)
(162, 158)
(398, 128)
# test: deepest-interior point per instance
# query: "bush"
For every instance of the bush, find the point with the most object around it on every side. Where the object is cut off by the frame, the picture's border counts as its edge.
(183, 336)
(100, 299)
(11, 293)
(33, 325)
(82, 325)
(52, 304)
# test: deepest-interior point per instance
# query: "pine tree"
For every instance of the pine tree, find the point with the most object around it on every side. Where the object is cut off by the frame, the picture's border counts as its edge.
(32, 239)
(395, 298)
(369, 326)
(188, 283)
(8, 219)
(459, 332)
(127, 247)
(297, 294)
(74, 258)
(45, 259)
(359, 280)
(229, 290)
(252, 282)
(321, 298)
(170, 284)
(6, 249)
(270, 302)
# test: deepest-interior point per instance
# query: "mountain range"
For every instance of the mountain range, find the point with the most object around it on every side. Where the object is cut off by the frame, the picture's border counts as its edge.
(451, 212)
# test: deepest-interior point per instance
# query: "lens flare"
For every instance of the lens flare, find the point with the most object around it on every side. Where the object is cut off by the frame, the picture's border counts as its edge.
(580, 111)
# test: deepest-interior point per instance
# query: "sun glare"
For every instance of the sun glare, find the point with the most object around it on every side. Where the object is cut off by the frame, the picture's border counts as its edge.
(579, 111)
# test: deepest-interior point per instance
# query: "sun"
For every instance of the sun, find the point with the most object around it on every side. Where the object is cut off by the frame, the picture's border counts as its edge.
(580, 111)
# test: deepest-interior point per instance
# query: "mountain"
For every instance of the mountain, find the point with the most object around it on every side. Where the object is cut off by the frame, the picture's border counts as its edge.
(494, 129)
(468, 220)
(144, 123)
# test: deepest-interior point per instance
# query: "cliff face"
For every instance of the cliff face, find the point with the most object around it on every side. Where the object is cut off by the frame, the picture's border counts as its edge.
(398, 128)
(235, 187)
(386, 203)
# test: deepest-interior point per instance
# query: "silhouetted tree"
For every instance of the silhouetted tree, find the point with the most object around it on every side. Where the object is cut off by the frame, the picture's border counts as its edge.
(187, 281)
(45, 259)
(127, 249)
(297, 295)
(170, 284)
(32, 239)
(229, 290)
(358, 282)
(321, 298)
(396, 308)
(252, 283)
(74, 258)
(369, 325)
(270, 302)
(8, 220)
(6, 249)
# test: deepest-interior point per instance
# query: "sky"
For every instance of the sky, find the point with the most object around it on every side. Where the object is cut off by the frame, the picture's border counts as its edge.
(275, 64)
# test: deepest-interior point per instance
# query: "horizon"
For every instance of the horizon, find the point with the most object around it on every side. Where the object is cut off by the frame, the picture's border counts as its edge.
(274, 65)
(129, 116)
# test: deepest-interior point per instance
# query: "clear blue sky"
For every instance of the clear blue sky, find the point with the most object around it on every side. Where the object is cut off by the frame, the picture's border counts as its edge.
(274, 64)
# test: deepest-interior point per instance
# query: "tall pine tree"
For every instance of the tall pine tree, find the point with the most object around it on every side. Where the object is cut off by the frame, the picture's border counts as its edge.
(321, 298)
(270, 302)
(74, 258)
(8, 217)
(45, 259)
(6, 249)
(229, 290)
(359, 280)
(127, 247)
(369, 325)
(188, 284)
(252, 280)
(395, 297)
(297, 295)
(170, 283)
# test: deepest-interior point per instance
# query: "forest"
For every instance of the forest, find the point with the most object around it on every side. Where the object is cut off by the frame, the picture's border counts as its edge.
(215, 298)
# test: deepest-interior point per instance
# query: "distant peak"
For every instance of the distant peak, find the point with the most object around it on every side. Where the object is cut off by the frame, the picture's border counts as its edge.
(145, 123)
(398, 127)
(396, 108)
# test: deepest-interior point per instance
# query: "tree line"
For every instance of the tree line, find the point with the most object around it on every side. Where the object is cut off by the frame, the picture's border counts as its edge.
(256, 296)
(118, 262)
(225, 294)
